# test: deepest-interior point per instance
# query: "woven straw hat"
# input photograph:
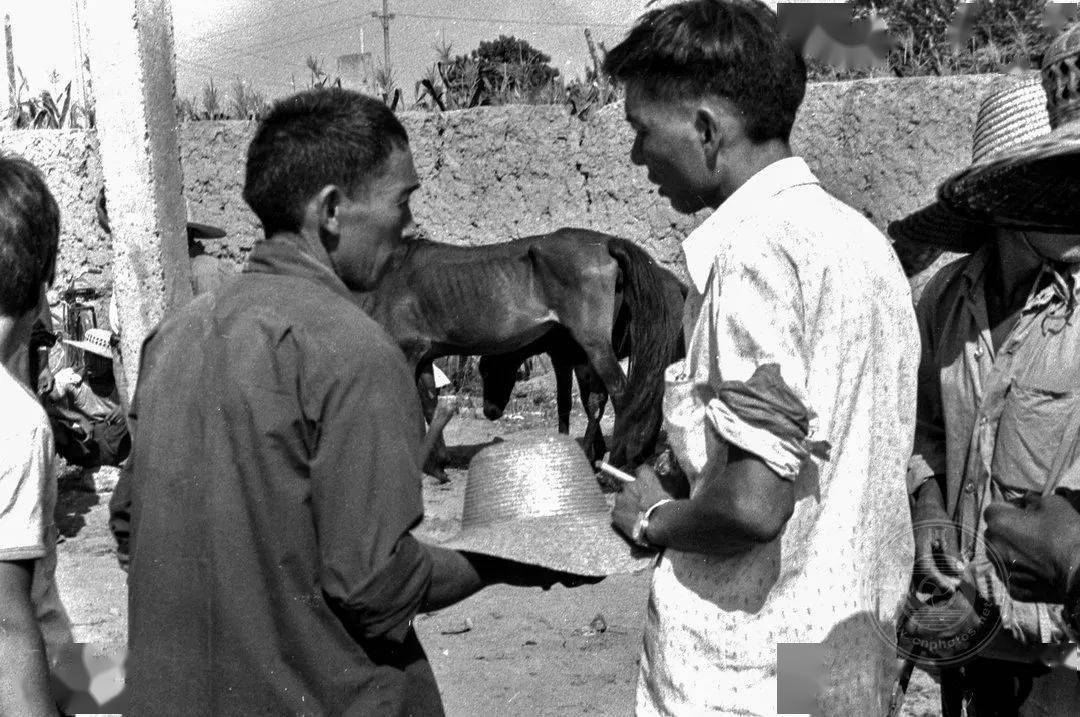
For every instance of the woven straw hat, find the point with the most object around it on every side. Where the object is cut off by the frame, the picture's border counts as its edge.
(1035, 185)
(1011, 113)
(534, 499)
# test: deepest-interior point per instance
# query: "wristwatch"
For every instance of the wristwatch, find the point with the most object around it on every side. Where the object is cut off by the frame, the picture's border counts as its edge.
(641, 526)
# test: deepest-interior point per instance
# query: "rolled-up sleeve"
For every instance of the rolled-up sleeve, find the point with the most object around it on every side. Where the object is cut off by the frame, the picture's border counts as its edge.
(928, 456)
(25, 447)
(366, 492)
(756, 320)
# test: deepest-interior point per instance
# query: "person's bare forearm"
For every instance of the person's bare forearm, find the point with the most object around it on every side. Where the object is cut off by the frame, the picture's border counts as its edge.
(749, 505)
(682, 525)
(430, 440)
(453, 578)
(443, 413)
(24, 669)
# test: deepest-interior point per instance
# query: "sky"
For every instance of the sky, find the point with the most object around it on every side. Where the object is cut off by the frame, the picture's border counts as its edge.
(265, 42)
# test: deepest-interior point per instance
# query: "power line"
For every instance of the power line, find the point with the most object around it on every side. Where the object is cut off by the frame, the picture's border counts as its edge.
(508, 21)
(334, 26)
(276, 19)
(254, 50)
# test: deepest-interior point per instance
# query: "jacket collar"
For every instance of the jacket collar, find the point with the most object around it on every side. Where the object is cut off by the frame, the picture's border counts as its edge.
(290, 255)
(704, 243)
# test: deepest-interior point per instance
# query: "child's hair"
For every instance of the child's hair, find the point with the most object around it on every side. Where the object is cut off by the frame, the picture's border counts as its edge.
(310, 140)
(728, 48)
(29, 234)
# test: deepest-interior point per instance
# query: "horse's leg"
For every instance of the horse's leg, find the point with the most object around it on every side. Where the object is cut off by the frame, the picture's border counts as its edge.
(563, 388)
(593, 400)
(583, 288)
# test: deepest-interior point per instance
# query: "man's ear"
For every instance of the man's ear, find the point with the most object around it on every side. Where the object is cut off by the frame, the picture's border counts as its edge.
(710, 133)
(718, 126)
(322, 214)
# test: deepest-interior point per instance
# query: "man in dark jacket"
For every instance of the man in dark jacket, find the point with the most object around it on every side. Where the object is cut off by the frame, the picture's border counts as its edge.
(276, 443)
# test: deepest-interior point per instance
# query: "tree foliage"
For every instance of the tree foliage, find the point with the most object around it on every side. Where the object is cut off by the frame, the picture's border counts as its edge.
(501, 71)
(949, 37)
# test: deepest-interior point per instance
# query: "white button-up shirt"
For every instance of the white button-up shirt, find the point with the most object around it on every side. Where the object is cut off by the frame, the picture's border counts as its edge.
(785, 273)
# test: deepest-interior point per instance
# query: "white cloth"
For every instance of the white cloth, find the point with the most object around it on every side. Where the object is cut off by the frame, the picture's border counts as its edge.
(27, 503)
(784, 273)
(441, 380)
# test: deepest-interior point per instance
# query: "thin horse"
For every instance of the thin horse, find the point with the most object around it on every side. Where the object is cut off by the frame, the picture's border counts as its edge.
(499, 372)
(439, 300)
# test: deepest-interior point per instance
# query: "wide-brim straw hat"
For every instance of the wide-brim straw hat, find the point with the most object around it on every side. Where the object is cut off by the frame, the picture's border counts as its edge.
(1012, 113)
(534, 499)
(1035, 185)
(95, 341)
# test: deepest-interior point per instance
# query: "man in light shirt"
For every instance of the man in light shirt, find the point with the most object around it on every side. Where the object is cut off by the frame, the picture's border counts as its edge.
(34, 627)
(793, 414)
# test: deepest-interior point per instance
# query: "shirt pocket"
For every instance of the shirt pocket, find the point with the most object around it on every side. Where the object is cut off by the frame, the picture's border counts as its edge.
(1029, 434)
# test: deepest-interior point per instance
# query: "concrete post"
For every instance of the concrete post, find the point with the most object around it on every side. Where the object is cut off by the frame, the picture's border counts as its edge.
(134, 82)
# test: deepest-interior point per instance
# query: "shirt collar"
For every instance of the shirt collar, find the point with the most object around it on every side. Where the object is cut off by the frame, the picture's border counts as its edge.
(291, 255)
(705, 242)
(1055, 284)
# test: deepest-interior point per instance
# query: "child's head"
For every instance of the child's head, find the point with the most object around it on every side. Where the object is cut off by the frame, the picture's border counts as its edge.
(732, 49)
(311, 140)
(29, 234)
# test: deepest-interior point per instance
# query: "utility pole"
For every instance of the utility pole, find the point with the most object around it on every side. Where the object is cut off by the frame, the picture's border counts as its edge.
(79, 81)
(13, 93)
(385, 17)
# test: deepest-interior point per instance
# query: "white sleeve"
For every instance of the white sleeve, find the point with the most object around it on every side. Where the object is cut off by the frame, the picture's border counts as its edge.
(25, 463)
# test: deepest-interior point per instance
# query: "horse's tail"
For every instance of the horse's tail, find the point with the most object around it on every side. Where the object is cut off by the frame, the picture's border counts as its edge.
(654, 327)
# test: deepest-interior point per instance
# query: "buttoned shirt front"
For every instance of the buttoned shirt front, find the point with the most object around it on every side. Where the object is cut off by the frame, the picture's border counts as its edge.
(785, 274)
(996, 423)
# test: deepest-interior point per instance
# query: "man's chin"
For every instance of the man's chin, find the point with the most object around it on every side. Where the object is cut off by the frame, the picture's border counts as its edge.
(685, 205)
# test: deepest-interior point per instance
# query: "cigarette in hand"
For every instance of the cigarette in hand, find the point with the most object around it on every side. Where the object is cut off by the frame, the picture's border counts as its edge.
(616, 473)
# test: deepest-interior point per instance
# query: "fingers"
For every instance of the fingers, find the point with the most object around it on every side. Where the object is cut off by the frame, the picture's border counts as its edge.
(645, 472)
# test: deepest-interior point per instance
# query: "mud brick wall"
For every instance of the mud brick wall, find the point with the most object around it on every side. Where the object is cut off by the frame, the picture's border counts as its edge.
(492, 174)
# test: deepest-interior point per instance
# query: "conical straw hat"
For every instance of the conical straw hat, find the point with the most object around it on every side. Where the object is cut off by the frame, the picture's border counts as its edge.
(1036, 184)
(534, 499)
(1012, 113)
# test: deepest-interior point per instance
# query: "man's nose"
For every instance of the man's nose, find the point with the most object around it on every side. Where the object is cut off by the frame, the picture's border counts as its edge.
(636, 156)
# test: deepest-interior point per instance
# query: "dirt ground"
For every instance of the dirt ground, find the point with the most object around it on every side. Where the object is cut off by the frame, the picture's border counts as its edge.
(504, 651)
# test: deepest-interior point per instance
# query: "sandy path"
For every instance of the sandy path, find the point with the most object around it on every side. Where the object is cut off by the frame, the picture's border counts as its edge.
(526, 652)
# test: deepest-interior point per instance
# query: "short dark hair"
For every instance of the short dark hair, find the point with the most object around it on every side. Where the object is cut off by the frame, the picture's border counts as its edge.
(309, 140)
(29, 235)
(729, 48)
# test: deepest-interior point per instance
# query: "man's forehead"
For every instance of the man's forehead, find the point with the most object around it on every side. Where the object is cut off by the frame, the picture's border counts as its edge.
(399, 170)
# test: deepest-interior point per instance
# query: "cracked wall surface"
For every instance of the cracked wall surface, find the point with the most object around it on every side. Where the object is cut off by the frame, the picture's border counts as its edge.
(493, 174)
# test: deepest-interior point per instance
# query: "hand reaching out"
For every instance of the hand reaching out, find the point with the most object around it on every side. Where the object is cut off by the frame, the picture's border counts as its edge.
(1036, 546)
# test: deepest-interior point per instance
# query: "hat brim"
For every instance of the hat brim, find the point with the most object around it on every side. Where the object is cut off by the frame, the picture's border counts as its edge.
(581, 545)
(1033, 186)
(937, 226)
(195, 230)
(90, 348)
